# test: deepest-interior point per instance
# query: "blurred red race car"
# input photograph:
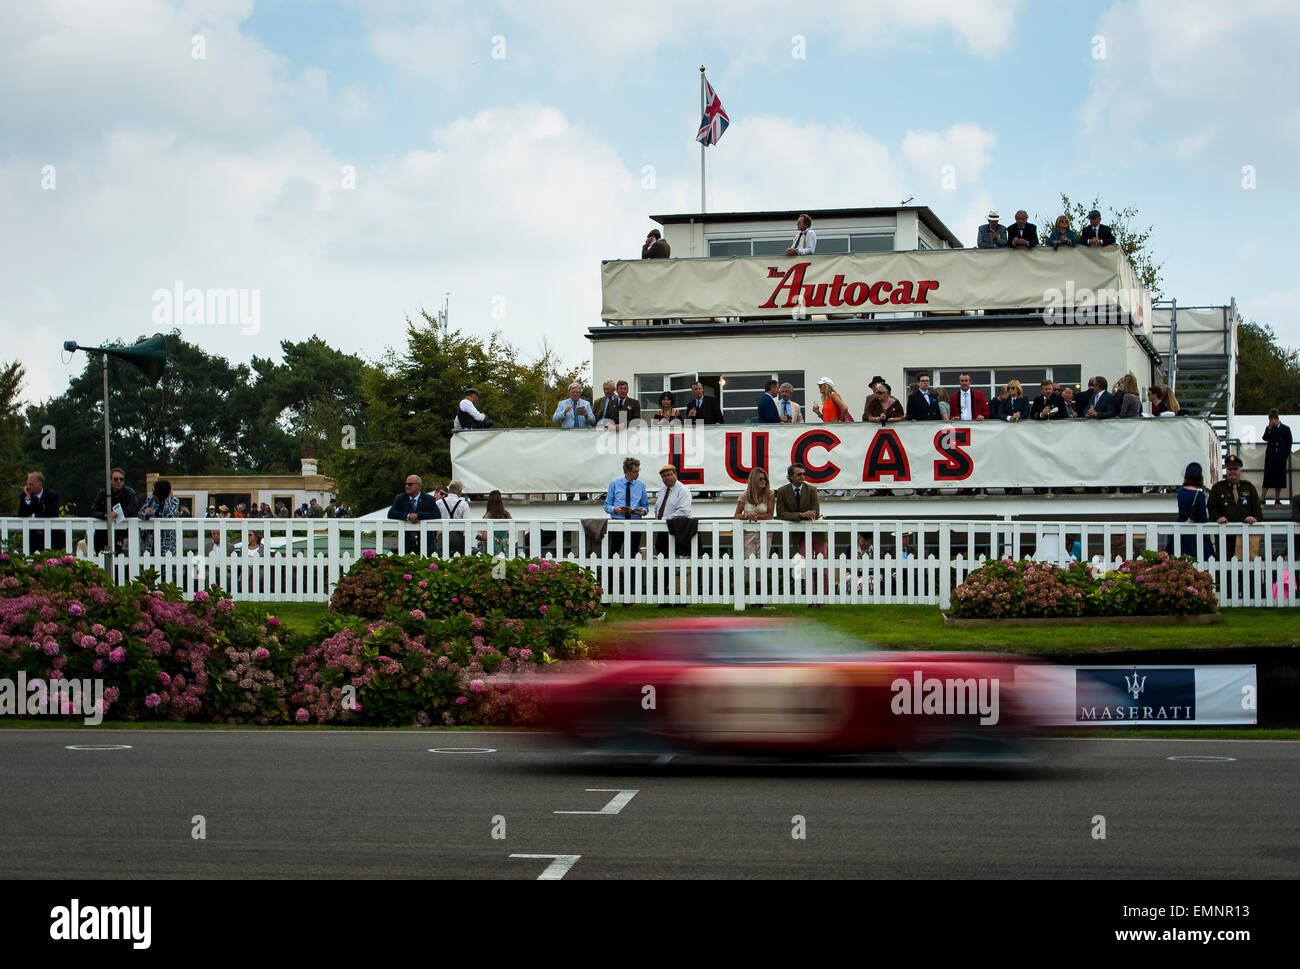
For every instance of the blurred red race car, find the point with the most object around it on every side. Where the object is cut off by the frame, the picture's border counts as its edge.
(776, 686)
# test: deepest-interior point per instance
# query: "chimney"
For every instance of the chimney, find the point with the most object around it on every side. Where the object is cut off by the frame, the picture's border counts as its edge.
(309, 467)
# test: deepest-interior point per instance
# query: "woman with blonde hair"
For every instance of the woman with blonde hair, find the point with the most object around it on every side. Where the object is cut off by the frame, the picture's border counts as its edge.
(757, 503)
(1013, 405)
(1130, 403)
(831, 409)
(1171, 402)
(1063, 235)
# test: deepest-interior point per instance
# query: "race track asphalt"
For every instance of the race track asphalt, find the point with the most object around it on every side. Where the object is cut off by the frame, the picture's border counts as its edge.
(353, 804)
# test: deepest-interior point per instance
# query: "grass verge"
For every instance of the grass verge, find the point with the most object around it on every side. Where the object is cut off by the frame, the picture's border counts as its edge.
(922, 628)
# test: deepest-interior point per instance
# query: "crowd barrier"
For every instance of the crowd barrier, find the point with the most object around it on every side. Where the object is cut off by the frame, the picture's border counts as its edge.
(823, 562)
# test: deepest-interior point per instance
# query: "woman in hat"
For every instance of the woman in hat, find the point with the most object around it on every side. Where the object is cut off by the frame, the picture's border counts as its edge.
(1192, 508)
(831, 409)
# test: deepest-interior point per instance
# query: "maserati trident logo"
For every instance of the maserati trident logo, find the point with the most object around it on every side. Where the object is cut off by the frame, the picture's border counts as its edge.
(1134, 684)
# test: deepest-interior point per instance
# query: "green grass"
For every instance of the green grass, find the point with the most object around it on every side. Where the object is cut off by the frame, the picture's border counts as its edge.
(296, 617)
(921, 628)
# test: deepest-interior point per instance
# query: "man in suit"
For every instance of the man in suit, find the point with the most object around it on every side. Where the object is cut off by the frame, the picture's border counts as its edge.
(1099, 403)
(104, 505)
(1023, 234)
(702, 409)
(617, 409)
(923, 405)
(767, 412)
(967, 404)
(789, 411)
(1048, 405)
(414, 506)
(1096, 234)
(655, 247)
(992, 235)
(38, 501)
(799, 502)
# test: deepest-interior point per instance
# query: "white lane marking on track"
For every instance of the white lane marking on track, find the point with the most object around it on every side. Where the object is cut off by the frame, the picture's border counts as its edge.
(97, 747)
(462, 750)
(616, 803)
(663, 759)
(557, 869)
(1200, 759)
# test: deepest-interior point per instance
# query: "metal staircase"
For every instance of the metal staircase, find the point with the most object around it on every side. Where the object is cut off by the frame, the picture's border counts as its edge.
(1199, 346)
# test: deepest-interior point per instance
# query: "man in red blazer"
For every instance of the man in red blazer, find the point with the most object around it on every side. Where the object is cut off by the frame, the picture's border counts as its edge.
(967, 404)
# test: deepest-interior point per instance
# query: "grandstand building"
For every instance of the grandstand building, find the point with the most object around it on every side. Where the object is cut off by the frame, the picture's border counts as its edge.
(889, 292)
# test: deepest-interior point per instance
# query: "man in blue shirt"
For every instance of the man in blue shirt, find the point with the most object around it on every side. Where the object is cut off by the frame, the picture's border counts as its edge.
(626, 501)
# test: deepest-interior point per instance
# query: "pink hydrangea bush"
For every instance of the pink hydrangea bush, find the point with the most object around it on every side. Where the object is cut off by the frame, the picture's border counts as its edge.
(1151, 585)
(379, 587)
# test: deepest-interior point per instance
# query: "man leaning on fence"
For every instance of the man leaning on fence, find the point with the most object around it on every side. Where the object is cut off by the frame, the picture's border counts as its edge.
(38, 501)
(414, 506)
(123, 505)
(1234, 500)
(625, 500)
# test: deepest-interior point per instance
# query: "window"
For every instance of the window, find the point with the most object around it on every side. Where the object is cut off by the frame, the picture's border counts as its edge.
(989, 382)
(742, 248)
(874, 242)
(777, 247)
(770, 247)
(740, 392)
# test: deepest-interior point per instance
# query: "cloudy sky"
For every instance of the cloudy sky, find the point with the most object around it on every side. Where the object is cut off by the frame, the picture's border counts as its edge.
(347, 163)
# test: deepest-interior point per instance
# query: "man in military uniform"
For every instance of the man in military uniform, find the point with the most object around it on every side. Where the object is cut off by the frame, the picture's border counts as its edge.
(1234, 500)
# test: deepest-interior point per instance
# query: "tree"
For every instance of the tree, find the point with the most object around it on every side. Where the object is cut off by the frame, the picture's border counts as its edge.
(1132, 240)
(308, 399)
(12, 425)
(410, 400)
(185, 424)
(1268, 375)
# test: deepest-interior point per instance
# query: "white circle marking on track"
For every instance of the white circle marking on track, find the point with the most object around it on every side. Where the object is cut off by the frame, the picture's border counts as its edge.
(98, 747)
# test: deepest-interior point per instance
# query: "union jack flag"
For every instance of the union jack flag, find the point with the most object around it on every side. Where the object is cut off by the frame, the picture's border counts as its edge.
(715, 120)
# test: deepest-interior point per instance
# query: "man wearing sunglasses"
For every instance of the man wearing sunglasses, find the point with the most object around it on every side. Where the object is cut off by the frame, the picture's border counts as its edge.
(123, 505)
(414, 506)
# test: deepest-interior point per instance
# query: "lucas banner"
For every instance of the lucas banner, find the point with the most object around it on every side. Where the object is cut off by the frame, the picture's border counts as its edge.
(1076, 286)
(1144, 695)
(910, 454)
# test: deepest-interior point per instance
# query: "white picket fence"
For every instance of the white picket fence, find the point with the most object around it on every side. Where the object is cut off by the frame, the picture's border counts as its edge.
(302, 559)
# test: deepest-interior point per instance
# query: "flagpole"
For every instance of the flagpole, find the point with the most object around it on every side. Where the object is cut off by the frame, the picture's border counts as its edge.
(703, 207)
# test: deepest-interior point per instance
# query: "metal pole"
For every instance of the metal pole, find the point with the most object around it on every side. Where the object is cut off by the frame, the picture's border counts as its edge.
(108, 478)
(703, 207)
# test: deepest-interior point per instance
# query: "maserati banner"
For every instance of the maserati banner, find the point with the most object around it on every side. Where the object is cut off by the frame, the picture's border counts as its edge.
(909, 454)
(1077, 286)
(1145, 695)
